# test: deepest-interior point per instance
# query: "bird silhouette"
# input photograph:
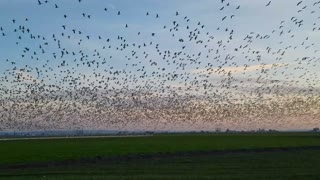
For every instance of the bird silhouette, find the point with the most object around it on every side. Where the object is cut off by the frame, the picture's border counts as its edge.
(171, 67)
(268, 3)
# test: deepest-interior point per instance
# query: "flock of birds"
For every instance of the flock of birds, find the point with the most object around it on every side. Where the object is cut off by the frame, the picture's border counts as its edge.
(141, 81)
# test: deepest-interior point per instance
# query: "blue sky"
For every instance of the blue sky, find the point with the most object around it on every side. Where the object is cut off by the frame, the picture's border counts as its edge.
(253, 19)
(45, 20)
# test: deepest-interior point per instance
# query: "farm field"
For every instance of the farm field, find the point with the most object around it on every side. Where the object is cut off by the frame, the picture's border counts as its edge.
(180, 156)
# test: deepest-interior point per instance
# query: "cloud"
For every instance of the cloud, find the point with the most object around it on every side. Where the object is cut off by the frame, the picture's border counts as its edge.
(238, 69)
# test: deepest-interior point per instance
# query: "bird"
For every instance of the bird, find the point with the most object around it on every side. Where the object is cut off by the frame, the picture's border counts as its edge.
(159, 72)
(268, 3)
(299, 3)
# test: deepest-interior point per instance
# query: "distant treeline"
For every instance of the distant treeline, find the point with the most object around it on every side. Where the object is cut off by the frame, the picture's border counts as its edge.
(59, 133)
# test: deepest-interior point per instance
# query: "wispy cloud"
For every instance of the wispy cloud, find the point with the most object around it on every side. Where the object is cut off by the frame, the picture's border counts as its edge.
(238, 69)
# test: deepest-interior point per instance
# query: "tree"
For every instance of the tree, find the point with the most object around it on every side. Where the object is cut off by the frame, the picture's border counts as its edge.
(218, 130)
(315, 130)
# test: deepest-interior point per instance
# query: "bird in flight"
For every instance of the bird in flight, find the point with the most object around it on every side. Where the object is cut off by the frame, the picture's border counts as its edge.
(268, 3)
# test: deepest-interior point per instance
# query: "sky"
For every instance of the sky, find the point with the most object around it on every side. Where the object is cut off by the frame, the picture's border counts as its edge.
(262, 53)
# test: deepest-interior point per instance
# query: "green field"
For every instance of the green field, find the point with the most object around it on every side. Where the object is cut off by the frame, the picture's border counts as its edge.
(160, 156)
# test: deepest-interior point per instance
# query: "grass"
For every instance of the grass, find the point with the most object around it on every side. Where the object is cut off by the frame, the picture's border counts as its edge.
(26, 151)
(295, 164)
(267, 165)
